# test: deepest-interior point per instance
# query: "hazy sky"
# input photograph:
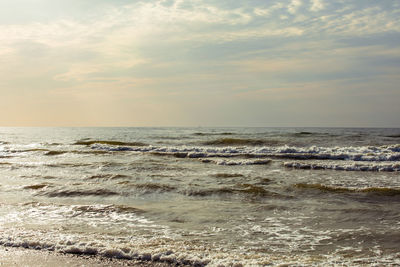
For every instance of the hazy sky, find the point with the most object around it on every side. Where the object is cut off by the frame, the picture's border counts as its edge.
(200, 63)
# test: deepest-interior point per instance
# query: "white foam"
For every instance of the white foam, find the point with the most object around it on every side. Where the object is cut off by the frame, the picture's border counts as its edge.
(345, 167)
(189, 253)
(362, 153)
(238, 162)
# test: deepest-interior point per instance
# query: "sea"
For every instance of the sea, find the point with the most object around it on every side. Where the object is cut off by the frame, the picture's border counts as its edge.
(204, 196)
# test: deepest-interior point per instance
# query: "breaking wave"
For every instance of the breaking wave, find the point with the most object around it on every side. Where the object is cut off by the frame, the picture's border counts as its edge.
(363, 153)
(349, 167)
(125, 253)
(237, 162)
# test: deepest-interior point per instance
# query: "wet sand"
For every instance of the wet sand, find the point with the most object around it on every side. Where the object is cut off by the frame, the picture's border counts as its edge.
(10, 256)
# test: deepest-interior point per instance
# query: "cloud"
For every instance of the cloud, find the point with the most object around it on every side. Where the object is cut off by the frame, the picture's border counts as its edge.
(262, 11)
(294, 6)
(317, 5)
(126, 53)
(359, 22)
(141, 22)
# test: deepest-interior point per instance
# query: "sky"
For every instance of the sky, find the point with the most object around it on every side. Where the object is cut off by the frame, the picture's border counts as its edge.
(200, 63)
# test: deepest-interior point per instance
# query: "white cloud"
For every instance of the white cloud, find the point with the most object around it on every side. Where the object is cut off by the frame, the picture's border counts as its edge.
(268, 11)
(117, 36)
(262, 11)
(317, 5)
(359, 22)
(165, 51)
(138, 23)
(294, 6)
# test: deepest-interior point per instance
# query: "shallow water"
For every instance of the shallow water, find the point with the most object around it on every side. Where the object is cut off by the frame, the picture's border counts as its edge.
(204, 196)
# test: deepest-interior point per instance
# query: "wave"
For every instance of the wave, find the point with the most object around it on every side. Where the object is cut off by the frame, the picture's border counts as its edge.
(311, 134)
(145, 188)
(16, 165)
(81, 209)
(32, 150)
(152, 187)
(227, 175)
(196, 154)
(211, 134)
(106, 209)
(55, 153)
(240, 142)
(36, 186)
(80, 193)
(48, 152)
(114, 148)
(108, 176)
(238, 162)
(239, 189)
(381, 191)
(145, 258)
(104, 244)
(349, 167)
(60, 152)
(254, 190)
(67, 165)
(47, 177)
(300, 134)
(362, 153)
(353, 157)
(394, 136)
(112, 143)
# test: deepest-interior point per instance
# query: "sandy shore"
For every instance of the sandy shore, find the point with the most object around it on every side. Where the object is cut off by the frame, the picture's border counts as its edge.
(10, 256)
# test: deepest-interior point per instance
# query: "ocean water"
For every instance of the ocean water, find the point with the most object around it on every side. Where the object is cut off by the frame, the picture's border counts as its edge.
(204, 196)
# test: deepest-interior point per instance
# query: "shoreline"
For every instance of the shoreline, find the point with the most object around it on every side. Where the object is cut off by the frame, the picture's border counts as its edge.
(17, 256)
